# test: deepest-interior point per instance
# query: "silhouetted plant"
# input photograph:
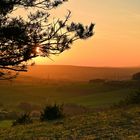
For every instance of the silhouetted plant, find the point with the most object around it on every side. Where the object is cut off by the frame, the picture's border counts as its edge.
(52, 112)
(22, 39)
(134, 98)
(136, 76)
(23, 119)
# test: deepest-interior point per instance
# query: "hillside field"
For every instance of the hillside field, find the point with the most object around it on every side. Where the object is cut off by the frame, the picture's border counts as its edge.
(86, 94)
(89, 105)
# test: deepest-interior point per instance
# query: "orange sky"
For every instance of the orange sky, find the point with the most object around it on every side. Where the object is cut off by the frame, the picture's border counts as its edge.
(117, 31)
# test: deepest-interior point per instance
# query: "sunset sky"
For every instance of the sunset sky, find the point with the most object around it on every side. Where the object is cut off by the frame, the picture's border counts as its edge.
(116, 41)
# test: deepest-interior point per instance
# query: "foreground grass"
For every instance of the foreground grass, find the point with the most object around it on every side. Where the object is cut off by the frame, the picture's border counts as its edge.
(5, 123)
(116, 124)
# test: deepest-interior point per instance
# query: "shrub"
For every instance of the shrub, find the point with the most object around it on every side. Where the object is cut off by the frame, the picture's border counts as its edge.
(136, 76)
(134, 99)
(23, 119)
(52, 112)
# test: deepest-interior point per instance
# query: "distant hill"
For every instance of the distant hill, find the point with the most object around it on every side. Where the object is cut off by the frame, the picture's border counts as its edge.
(76, 73)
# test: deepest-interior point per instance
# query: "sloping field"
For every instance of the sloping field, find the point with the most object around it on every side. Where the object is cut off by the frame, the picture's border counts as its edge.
(85, 94)
(62, 84)
(70, 85)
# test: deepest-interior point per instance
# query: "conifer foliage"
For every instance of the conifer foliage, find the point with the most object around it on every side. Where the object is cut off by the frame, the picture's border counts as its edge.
(22, 39)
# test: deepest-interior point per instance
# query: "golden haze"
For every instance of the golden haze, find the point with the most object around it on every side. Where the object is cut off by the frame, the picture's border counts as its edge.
(116, 40)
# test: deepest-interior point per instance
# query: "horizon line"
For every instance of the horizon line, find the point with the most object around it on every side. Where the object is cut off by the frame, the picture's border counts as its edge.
(87, 66)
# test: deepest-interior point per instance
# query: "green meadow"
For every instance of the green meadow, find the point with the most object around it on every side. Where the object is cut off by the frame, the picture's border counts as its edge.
(87, 94)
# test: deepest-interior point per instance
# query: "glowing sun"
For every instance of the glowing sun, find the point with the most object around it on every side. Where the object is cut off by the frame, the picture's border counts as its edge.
(38, 50)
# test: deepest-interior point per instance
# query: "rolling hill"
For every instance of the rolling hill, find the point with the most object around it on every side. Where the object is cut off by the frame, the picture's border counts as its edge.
(77, 73)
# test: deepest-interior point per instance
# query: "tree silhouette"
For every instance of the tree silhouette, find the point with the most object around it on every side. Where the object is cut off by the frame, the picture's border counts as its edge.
(23, 39)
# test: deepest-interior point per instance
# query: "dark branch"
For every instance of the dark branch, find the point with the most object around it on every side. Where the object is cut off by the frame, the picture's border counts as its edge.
(24, 39)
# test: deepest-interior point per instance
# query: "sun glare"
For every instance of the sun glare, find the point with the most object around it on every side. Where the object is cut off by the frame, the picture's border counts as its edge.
(38, 50)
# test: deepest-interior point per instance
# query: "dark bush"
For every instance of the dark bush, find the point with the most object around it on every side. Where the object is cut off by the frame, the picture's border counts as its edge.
(23, 119)
(136, 76)
(52, 112)
(133, 99)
